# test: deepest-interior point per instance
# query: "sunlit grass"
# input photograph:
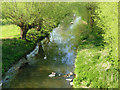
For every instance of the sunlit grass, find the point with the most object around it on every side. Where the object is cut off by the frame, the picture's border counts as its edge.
(94, 70)
(10, 31)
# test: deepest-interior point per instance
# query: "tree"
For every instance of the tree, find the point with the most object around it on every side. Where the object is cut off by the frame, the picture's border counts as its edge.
(40, 15)
(26, 15)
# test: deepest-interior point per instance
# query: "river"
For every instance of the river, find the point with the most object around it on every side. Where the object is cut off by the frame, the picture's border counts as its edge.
(58, 55)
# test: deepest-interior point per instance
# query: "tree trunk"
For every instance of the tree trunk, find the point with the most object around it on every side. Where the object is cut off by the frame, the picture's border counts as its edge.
(40, 50)
(23, 34)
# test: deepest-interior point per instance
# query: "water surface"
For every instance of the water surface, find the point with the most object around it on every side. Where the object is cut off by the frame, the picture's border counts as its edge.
(58, 55)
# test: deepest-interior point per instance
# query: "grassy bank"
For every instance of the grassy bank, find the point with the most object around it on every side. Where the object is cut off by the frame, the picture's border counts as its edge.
(96, 63)
(13, 48)
(94, 68)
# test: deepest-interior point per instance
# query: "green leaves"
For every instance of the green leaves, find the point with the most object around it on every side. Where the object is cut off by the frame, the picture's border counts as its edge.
(108, 21)
(29, 15)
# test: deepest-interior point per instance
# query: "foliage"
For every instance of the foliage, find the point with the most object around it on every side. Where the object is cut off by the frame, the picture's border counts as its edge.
(39, 15)
(93, 69)
(27, 13)
(96, 63)
(97, 59)
(109, 24)
(20, 13)
(13, 50)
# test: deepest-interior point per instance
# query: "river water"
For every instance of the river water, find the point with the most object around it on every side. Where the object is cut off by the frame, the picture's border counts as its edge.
(58, 55)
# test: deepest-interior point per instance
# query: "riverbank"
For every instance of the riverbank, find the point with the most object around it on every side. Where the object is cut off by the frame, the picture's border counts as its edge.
(58, 56)
(13, 48)
(93, 68)
(96, 63)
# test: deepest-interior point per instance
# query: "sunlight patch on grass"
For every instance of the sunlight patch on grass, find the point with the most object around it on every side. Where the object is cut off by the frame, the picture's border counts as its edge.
(10, 31)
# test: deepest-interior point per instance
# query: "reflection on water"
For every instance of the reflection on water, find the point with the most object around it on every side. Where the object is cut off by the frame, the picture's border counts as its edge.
(59, 56)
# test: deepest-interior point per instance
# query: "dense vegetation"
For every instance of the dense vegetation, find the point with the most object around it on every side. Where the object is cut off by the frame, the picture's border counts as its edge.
(96, 63)
(97, 58)
(14, 50)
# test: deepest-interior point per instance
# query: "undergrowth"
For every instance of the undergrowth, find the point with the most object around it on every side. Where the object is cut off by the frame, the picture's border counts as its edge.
(96, 63)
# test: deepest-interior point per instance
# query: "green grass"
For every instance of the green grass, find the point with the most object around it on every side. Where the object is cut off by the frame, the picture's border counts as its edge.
(10, 31)
(13, 48)
(94, 69)
(96, 63)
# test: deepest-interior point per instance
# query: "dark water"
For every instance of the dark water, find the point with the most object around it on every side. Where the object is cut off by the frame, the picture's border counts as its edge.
(58, 56)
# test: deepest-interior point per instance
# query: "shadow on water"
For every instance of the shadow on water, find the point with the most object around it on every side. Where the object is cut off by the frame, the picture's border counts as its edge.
(57, 55)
